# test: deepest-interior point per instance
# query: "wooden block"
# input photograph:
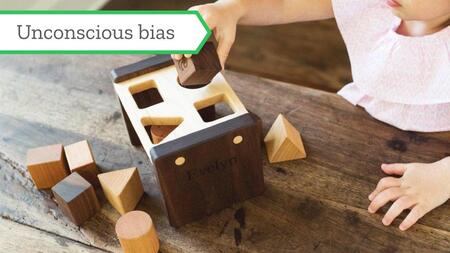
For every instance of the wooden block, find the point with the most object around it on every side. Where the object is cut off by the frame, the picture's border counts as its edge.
(199, 69)
(80, 159)
(160, 132)
(283, 142)
(137, 233)
(76, 198)
(47, 165)
(122, 188)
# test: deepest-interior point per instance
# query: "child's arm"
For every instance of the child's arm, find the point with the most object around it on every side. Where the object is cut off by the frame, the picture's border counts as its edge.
(421, 188)
(224, 15)
(271, 12)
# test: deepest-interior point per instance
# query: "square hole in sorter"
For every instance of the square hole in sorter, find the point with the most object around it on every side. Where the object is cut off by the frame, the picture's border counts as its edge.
(213, 108)
(159, 128)
(146, 94)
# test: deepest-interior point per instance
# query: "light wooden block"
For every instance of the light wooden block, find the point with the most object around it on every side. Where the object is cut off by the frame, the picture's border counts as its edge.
(283, 142)
(47, 165)
(122, 188)
(137, 233)
(76, 198)
(80, 159)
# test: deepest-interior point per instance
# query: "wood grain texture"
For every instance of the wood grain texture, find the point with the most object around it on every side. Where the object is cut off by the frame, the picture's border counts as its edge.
(76, 198)
(316, 204)
(122, 188)
(80, 158)
(215, 172)
(47, 165)
(199, 69)
(159, 132)
(310, 54)
(22, 238)
(283, 142)
(137, 233)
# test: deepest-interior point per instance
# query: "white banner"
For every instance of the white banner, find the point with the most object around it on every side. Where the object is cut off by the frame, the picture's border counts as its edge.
(102, 32)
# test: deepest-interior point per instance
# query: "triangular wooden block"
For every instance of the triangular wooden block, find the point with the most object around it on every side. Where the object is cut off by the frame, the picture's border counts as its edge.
(283, 142)
(122, 188)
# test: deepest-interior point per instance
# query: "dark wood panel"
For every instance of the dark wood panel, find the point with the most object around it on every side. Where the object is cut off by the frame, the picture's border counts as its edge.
(311, 54)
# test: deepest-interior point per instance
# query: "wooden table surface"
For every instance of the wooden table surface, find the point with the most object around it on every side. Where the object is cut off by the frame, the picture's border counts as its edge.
(318, 204)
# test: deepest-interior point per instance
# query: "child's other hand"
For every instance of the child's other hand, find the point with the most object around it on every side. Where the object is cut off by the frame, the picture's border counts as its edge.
(421, 188)
(222, 18)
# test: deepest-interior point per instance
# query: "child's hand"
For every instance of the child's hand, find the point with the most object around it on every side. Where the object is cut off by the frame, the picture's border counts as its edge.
(222, 18)
(421, 188)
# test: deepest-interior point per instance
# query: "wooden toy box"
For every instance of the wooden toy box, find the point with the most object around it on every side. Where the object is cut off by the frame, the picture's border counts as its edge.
(202, 167)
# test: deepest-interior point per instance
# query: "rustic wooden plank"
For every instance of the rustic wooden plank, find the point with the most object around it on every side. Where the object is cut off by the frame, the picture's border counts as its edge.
(21, 238)
(314, 204)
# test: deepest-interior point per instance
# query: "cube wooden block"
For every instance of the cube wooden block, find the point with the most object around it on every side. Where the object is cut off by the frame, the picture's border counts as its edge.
(47, 165)
(122, 188)
(283, 142)
(137, 233)
(76, 198)
(200, 69)
(80, 159)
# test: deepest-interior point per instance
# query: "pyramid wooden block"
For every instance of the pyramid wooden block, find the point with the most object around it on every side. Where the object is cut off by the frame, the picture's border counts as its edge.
(137, 233)
(122, 188)
(80, 159)
(76, 198)
(283, 142)
(47, 165)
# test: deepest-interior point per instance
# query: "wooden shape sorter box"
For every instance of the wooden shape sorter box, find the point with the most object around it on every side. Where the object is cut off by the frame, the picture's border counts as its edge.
(203, 166)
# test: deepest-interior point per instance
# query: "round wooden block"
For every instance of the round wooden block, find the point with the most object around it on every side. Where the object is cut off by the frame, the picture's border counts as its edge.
(137, 233)
(159, 132)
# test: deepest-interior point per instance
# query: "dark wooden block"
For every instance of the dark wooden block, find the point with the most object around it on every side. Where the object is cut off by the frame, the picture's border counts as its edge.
(200, 69)
(206, 171)
(76, 198)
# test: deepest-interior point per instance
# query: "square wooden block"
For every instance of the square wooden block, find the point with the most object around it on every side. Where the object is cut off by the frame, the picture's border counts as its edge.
(80, 159)
(122, 188)
(76, 198)
(47, 165)
(200, 69)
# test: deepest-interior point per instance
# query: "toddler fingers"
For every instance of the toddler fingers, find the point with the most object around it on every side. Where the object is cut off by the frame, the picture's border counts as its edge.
(384, 197)
(177, 56)
(383, 184)
(396, 209)
(224, 49)
(416, 213)
(188, 55)
(394, 168)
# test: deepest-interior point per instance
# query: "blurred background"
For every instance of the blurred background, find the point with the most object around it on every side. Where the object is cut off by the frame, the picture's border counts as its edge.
(311, 54)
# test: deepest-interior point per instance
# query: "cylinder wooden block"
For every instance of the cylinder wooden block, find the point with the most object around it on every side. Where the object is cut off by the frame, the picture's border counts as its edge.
(137, 233)
(159, 132)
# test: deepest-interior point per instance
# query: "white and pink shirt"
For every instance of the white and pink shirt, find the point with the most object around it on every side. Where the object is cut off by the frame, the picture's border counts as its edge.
(403, 81)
